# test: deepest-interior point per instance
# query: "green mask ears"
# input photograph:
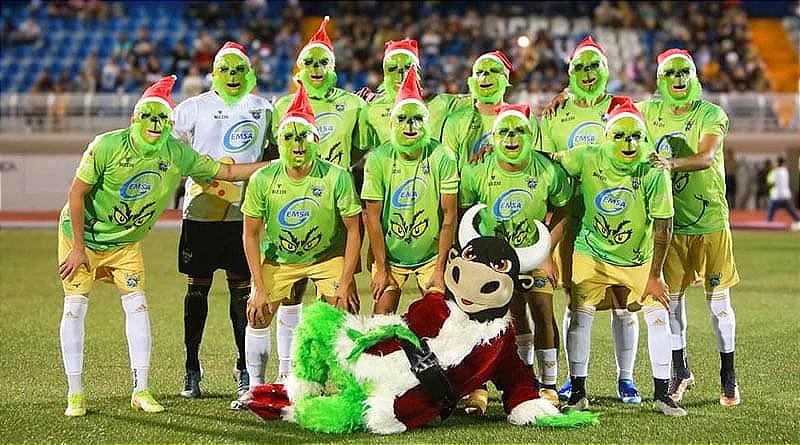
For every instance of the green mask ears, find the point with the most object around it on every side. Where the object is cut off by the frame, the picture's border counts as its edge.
(151, 125)
(588, 75)
(233, 77)
(297, 143)
(489, 80)
(512, 136)
(677, 78)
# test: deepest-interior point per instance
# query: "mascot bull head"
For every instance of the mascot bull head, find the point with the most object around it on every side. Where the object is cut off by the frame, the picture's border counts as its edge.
(482, 276)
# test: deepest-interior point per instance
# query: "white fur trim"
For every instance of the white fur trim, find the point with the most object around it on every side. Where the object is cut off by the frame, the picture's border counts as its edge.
(153, 99)
(589, 48)
(673, 56)
(526, 412)
(287, 414)
(624, 114)
(239, 53)
(296, 387)
(496, 59)
(408, 101)
(511, 113)
(315, 45)
(401, 51)
(299, 120)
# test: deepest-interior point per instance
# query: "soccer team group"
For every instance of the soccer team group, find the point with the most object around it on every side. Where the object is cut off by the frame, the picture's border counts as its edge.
(636, 195)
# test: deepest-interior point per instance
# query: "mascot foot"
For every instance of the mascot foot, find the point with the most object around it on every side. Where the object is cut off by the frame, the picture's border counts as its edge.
(550, 395)
(268, 401)
(476, 402)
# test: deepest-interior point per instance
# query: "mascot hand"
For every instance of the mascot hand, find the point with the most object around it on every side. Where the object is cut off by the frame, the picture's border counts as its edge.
(268, 401)
(526, 412)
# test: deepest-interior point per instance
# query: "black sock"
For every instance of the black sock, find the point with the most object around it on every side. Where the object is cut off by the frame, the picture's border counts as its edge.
(726, 371)
(195, 311)
(551, 386)
(578, 386)
(240, 291)
(661, 388)
(679, 366)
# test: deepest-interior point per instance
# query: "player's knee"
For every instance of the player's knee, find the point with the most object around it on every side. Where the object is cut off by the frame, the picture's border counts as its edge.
(239, 289)
(197, 287)
(719, 303)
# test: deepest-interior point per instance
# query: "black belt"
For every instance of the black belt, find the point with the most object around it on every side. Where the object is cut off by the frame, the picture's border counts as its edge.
(431, 376)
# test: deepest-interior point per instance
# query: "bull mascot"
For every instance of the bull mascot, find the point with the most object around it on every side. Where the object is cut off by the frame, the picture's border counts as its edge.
(386, 374)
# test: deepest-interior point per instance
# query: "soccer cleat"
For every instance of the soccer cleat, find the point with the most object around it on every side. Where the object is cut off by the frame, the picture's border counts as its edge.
(242, 379)
(730, 394)
(144, 401)
(565, 391)
(550, 395)
(76, 405)
(240, 404)
(191, 384)
(476, 402)
(679, 385)
(668, 407)
(627, 392)
(576, 402)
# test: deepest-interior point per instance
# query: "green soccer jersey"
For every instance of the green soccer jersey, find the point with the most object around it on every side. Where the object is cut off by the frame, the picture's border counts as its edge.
(700, 205)
(443, 105)
(514, 199)
(617, 226)
(467, 131)
(572, 126)
(374, 122)
(130, 189)
(336, 116)
(411, 192)
(302, 219)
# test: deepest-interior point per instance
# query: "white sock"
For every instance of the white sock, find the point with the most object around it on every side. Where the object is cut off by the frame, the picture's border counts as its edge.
(137, 330)
(659, 341)
(677, 320)
(72, 334)
(547, 362)
(288, 319)
(723, 319)
(525, 348)
(625, 333)
(256, 352)
(579, 340)
(564, 329)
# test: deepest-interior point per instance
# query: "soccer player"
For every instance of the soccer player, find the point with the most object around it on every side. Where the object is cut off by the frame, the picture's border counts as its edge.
(580, 121)
(122, 185)
(309, 212)
(468, 130)
(336, 114)
(229, 124)
(689, 134)
(411, 196)
(623, 240)
(517, 185)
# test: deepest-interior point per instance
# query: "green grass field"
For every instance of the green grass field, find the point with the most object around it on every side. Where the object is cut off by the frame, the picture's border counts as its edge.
(33, 386)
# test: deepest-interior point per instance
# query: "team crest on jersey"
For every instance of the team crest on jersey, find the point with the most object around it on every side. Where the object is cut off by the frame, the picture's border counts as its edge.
(409, 192)
(613, 201)
(688, 126)
(485, 139)
(140, 185)
(635, 182)
(297, 212)
(240, 136)
(585, 133)
(326, 124)
(665, 146)
(532, 183)
(256, 114)
(316, 191)
(426, 168)
(339, 107)
(163, 165)
(510, 203)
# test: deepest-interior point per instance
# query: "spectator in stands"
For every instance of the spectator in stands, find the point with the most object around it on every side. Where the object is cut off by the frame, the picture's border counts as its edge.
(110, 76)
(780, 195)
(28, 32)
(122, 45)
(762, 193)
(181, 59)
(192, 84)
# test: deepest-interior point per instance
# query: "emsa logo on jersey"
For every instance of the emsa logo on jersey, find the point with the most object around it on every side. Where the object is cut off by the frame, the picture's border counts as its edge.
(585, 133)
(409, 191)
(326, 124)
(483, 140)
(613, 201)
(139, 186)
(510, 203)
(663, 148)
(296, 212)
(240, 136)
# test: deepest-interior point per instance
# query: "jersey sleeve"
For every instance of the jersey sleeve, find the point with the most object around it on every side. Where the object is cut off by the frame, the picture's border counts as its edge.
(255, 202)
(373, 188)
(573, 160)
(196, 165)
(438, 108)
(93, 162)
(715, 122)
(467, 193)
(537, 133)
(448, 173)
(560, 191)
(346, 197)
(359, 142)
(366, 134)
(185, 117)
(277, 113)
(659, 194)
(449, 136)
(547, 144)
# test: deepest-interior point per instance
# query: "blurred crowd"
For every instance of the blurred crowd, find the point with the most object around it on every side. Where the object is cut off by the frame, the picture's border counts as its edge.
(451, 35)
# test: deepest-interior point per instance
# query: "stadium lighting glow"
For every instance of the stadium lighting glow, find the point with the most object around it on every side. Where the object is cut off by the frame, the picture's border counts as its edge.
(523, 41)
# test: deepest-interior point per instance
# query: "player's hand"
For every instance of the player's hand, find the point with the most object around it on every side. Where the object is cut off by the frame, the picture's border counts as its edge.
(550, 270)
(346, 296)
(478, 157)
(366, 93)
(660, 162)
(659, 290)
(258, 313)
(75, 259)
(556, 102)
(437, 281)
(382, 280)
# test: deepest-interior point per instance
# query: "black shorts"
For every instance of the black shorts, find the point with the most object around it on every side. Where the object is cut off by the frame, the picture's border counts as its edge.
(207, 246)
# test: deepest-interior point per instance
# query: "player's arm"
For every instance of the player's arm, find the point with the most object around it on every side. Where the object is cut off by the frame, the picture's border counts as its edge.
(346, 295)
(372, 220)
(558, 221)
(257, 308)
(703, 159)
(77, 255)
(238, 172)
(449, 203)
(662, 235)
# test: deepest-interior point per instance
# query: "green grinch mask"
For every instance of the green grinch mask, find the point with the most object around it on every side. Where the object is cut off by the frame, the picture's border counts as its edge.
(233, 78)
(512, 139)
(626, 139)
(317, 71)
(588, 75)
(297, 144)
(677, 82)
(488, 82)
(394, 71)
(151, 126)
(409, 124)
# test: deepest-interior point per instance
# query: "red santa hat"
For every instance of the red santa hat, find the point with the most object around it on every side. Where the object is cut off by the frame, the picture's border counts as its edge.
(232, 48)
(673, 54)
(498, 56)
(409, 92)
(320, 39)
(299, 111)
(405, 46)
(588, 44)
(620, 107)
(160, 92)
(522, 111)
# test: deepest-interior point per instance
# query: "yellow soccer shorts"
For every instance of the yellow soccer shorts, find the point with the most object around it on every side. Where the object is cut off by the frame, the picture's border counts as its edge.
(423, 273)
(708, 256)
(541, 282)
(123, 266)
(592, 279)
(279, 278)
